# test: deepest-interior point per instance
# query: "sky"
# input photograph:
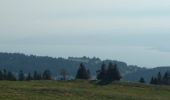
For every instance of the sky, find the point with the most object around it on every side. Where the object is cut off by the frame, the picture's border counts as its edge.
(133, 31)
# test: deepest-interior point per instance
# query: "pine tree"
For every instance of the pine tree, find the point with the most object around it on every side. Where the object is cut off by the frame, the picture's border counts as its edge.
(113, 73)
(142, 80)
(117, 75)
(46, 75)
(39, 76)
(82, 72)
(159, 78)
(4, 74)
(152, 80)
(35, 75)
(166, 78)
(11, 77)
(1, 75)
(21, 76)
(29, 77)
(101, 74)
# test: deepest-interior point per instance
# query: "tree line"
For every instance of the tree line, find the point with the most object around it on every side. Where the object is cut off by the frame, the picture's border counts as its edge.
(21, 76)
(160, 79)
(105, 74)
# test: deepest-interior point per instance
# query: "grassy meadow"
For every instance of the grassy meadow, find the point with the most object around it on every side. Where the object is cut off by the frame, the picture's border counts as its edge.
(80, 90)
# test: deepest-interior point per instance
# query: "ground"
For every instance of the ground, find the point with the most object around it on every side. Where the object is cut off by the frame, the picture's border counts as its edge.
(80, 90)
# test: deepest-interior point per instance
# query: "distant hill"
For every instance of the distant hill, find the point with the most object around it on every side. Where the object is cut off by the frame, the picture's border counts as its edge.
(29, 63)
(145, 73)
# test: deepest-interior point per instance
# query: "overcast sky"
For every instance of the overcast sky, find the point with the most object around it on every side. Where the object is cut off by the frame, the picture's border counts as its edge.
(134, 31)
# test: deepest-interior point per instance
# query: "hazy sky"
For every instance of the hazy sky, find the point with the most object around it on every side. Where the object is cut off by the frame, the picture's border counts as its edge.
(134, 31)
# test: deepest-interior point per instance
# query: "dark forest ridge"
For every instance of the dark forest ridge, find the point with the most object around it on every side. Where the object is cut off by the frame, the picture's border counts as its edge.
(29, 63)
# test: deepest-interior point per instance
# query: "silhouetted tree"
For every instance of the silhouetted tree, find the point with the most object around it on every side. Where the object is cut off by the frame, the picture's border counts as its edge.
(166, 78)
(1, 75)
(40, 77)
(142, 80)
(82, 72)
(35, 75)
(159, 78)
(29, 77)
(113, 73)
(4, 74)
(152, 80)
(21, 76)
(101, 74)
(46, 75)
(11, 76)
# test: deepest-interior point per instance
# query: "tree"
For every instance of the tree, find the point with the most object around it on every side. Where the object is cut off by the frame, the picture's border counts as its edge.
(142, 80)
(101, 74)
(117, 75)
(21, 76)
(4, 74)
(46, 75)
(159, 78)
(88, 74)
(35, 75)
(11, 77)
(166, 78)
(113, 73)
(82, 72)
(152, 80)
(29, 77)
(63, 74)
(1, 75)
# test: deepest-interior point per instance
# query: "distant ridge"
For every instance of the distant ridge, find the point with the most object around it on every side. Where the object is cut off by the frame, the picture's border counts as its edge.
(29, 63)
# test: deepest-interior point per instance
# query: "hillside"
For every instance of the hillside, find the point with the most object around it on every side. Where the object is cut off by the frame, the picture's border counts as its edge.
(80, 90)
(29, 63)
(145, 73)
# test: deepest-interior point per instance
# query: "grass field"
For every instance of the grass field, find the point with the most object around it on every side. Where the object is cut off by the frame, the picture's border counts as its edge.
(80, 90)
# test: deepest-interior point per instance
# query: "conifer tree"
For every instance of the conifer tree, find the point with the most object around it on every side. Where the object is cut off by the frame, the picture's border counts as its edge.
(101, 74)
(113, 73)
(166, 78)
(152, 80)
(11, 76)
(4, 74)
(46, 75)
(142, 80)
(35, 75)
(82, 72)
(1, 75)
(29, 77)
(159, 78)
(21, 76)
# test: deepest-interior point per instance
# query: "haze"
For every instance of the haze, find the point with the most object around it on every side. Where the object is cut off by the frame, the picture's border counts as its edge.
(134, 31)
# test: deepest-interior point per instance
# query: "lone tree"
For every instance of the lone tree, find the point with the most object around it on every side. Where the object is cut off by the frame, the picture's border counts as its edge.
(46, 75)
(142, 80)
(82, 72)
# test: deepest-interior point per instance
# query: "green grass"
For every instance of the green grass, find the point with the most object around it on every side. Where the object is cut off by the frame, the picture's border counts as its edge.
(80, 90)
